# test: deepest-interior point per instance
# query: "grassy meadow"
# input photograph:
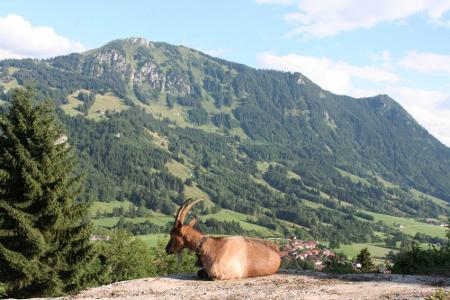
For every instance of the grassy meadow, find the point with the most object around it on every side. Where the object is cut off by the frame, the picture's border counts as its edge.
(410, 226)
(104, 103)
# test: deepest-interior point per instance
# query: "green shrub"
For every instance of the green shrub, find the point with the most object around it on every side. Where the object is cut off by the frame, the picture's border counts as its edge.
(416, 260)
(338, 264)
(2, 290)
(125, 257)
(440, 294)
(164, 264)
(297, 264)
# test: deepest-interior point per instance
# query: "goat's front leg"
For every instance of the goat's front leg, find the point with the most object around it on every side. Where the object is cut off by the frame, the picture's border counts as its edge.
(201, 274)
(198, 263)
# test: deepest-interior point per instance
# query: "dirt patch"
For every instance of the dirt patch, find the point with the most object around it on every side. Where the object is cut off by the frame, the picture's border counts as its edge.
(286, 285)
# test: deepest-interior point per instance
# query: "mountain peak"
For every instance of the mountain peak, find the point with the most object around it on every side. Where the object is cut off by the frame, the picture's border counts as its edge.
(134, 42)
(128, 43)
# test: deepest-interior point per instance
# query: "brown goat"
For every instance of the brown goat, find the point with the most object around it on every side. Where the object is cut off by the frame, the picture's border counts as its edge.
(223, 257)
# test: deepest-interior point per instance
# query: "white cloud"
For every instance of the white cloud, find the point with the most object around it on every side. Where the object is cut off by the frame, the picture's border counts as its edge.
(384, 56)
(319, 70)
(19, 38)
(333, 76)
(371, 73)
(426, 62)
(329, 17)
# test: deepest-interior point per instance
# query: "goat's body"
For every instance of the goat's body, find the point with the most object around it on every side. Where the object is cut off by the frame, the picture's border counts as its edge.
(226, 257)
(239, 257)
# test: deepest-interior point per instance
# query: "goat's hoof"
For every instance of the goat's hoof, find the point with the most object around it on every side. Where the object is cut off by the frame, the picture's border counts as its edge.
(202, 274)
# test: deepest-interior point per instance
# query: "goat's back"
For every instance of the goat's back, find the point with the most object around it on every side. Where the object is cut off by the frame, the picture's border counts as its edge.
(239, 257)
(263, 257)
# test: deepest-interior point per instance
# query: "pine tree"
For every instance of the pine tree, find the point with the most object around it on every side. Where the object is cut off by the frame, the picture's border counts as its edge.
(44, 239)
(365, 260)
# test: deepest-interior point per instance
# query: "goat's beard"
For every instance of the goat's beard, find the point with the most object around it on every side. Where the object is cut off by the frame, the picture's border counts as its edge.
(179, 257)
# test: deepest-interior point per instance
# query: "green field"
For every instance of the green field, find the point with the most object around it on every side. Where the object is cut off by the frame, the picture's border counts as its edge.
(380, 234)
(112, 221)
(159, 140)
(377, 252)
(292, 175)
(194, 192)
(261, 181)
(410, 226)
(239, 132)
(353, 177)
(160, 109)
(152, 239)
(183, 172)
(104, 103)
(264, 165)
(108, 206)
(178, 169)
(11, 84)
(229, 215)
(212, 109)
(313, 204)
(70, 107)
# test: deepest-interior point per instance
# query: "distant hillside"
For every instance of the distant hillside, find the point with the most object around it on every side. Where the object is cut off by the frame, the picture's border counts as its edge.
(155, 123)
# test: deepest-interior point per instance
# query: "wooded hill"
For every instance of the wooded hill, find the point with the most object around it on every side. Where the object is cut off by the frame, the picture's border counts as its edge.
(155, 123)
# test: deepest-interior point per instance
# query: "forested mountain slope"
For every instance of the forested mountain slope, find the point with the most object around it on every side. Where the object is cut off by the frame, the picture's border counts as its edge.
(155, 123)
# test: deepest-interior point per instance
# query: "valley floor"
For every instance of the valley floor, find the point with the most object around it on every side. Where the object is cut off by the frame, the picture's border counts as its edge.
(303, 285)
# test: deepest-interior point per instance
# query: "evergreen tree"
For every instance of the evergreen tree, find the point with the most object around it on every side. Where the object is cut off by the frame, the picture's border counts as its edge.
(44, 241)
(365, 260)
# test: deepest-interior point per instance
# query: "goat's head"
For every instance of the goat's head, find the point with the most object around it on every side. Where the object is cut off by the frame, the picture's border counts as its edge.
(180, 231)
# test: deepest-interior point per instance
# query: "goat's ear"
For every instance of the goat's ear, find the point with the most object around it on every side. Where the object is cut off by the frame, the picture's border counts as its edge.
(193, 221)
(178, 224)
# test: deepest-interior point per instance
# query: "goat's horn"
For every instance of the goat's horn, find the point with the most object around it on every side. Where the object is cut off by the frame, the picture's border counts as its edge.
(184, 209)
(182, 206)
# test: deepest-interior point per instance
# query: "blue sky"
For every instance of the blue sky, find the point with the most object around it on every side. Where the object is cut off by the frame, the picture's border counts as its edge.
(359, 48)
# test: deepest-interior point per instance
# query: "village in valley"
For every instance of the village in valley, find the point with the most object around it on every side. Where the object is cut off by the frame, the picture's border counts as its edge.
(311, 251)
